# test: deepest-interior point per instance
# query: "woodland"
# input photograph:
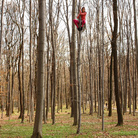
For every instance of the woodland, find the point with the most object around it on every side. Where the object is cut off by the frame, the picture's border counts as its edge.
(56, 81)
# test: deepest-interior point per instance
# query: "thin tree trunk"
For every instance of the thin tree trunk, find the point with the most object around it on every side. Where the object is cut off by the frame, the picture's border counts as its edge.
(66, 95)
(135, 24)
(99, 61)
(48, 72)
(19, 87)
(30, 52)
(136, 46)
(114, 50)
(2, 7)
(12, 89)
(82, 88)
(78, 75)
(58, 91)
(61, 94)
(128, 67)
(86, 91)
(53, 62)
(120, 65)
(73, 49)
(37, 132)
(2, 105)
(125, 90)
(91, 75)
(110, 97)
(71, 60)
(23, 93)
(103, 65)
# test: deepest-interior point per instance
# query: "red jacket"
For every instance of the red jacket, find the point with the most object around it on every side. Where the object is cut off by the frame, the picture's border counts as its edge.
(82, 14)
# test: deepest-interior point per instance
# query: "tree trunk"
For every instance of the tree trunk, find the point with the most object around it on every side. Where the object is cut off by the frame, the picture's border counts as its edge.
(136, 43)
(23, 104)
(120, 63)
(2, 105)
(136, 46)
(12, 89)
(99, 61)
(19, 80)
(37, 132)
(125, 91)
(48, 72)
(73, 49)
(78, 76)
(53, 62)
(65, 81)
(30, 52)
(110, 97)
(91, 75)
(61, 95)
(103, 65)
(114, 50)
(128, 67)
(82, 88)
(2, 7)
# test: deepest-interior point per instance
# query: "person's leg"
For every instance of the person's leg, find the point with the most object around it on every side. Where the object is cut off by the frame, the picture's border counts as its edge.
(82, 23)
(76, 22)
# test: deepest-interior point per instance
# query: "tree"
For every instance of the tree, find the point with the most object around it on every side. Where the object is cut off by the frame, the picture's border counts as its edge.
(23, 93)
(136, 46)
(73, 50)
(78, 75)
(110, 95)
(30, 56)
(37, 131)
(103, 65)
(99, 60)
(114, 51)
(2, 7)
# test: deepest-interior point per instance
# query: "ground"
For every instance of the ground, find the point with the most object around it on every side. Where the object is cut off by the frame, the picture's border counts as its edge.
(90, 126)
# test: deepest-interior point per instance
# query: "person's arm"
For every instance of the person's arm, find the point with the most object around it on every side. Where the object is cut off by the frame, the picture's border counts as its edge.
(78, 16)
(81, 13)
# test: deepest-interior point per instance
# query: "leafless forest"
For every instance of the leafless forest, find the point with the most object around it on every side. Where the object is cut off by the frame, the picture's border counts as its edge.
(45, 63)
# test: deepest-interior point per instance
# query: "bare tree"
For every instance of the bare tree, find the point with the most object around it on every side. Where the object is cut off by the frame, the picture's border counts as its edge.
(136, 46)
(1, 22)
(30, 55)
(114, 50)
(99, 60)
(37, 132)
(78, 75)
(23, 93)
(102, 64)
(73, 50)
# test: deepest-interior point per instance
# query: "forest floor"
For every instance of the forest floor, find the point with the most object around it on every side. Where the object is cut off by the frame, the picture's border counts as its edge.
(91, 126)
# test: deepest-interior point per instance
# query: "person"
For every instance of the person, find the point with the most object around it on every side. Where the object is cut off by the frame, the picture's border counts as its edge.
(83, 19)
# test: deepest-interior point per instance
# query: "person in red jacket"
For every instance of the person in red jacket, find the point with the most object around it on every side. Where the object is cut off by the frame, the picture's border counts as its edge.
(83, 15)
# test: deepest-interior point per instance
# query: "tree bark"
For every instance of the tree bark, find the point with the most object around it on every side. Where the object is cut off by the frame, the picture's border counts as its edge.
(128, 67)
(78, 75)
(102, 65)
(53, 62)
(2, 7)
(19, 81)
(73, 50)
(136, 43)
(37, 131)
(110, 97)
(99, 62)
(48, 72)
(30, 54)
(114, 50)
(23, 93)
(136, 46)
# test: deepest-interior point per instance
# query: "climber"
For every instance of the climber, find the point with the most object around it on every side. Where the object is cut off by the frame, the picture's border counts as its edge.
(82, 14)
